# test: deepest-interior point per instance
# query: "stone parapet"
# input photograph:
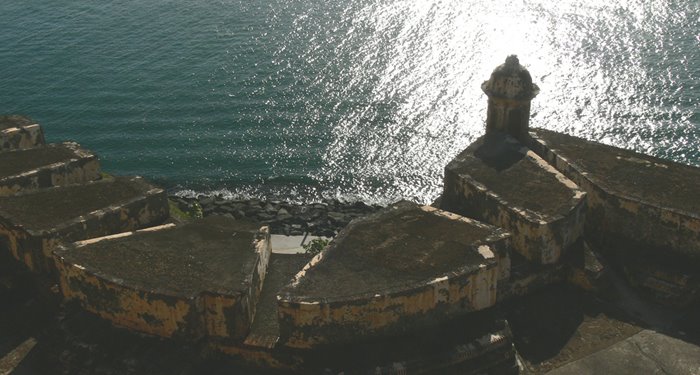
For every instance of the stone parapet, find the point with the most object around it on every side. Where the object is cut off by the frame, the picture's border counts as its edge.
(636, 202)
(201, 279)
(46, 166)
(19, 132)
(32, 224)
(476, 344)
(405, 267)
(499, 181)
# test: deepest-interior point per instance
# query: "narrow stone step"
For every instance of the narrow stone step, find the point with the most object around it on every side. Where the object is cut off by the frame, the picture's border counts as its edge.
(46, 166)
(200, 279)
(34, 223)
(500, 181)
(19, 132)
(394, 271)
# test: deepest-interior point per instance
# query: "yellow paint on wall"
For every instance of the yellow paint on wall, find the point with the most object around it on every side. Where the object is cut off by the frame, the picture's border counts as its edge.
(170, 318)
(215, 307)
(380, 311)
(629, 206)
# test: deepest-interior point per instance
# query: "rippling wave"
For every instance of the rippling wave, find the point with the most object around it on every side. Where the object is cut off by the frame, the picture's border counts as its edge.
(350, 99)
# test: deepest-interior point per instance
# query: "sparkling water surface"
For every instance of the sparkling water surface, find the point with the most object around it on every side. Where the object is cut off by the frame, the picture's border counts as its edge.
(302, 99)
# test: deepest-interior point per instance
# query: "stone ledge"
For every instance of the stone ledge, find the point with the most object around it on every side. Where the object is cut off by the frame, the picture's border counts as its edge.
(34, 223)
(46, 166)
(643, 212)
(470, 345)
(201, 279)
(371, 282)
(498, 180)
(635, 200)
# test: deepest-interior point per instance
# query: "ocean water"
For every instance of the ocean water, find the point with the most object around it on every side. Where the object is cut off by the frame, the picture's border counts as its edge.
(352, 99)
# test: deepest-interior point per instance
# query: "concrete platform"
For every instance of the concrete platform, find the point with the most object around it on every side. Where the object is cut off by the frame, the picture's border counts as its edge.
(641, 208)
(401, 268)
(499, 181)
(46, 166)
(32, 224)
(563, 330)
(647, 352)
(19, 132)
(282, 244)
(201, 279)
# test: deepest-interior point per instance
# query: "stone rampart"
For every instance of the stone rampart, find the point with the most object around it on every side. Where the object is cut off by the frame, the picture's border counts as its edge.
(198, 280)
(34, 223)
(499, 181)
(46, 166)
(636, 202)
(386, 281)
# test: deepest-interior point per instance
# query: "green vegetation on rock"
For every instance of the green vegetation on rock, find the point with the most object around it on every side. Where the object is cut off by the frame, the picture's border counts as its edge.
(185, 215)
(315, 246)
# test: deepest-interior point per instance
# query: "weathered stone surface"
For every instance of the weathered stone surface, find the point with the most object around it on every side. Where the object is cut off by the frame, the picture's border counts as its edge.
(635, 200)
(499, 181)
(34, 223)
(199, 279)
(561, 324)
(587, 271)
(393, 271)
(260, 346)
(476, 344)
(480, 345)
(672, 284)
(510, 90)
(319, 219)
(643, 210)
(647, 352)
(19, 132)
(281, 270)
(46, 166)
(527, 277)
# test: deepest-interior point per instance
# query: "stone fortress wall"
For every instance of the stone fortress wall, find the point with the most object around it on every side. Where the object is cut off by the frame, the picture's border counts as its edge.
(521, 208)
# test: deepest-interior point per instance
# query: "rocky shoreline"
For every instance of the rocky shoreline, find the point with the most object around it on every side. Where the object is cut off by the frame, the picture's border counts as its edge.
(325, 218)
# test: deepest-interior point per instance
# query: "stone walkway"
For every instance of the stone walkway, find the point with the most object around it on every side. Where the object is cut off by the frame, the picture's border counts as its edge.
(647, 352)
(282, 244)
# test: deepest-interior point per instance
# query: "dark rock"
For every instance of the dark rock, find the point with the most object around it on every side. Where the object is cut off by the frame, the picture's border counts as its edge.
(206, 201)
(283, 213)
(251, 211)
(227, 209)
(320, 218)
(338, 218)
(265, 216)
